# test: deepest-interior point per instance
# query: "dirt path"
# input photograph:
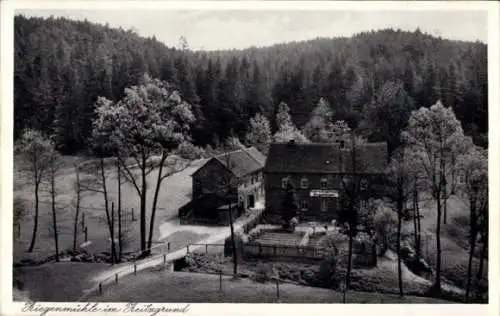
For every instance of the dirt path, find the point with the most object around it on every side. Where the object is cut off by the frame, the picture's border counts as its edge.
(127, 268)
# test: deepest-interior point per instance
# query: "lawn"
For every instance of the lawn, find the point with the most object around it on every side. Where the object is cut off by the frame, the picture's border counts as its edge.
(167, 287)
(454, 240)
(175, 192)
(58, 282)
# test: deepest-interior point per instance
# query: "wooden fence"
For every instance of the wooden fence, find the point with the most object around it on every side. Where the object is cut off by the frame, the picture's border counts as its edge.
(280, 251)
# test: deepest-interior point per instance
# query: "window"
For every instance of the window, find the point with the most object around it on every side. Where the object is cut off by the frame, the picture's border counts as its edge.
(363, 184)
(461, 179)
(304, 205)
(284, 183)
(324, 205)
(324, 183)
(304, 183)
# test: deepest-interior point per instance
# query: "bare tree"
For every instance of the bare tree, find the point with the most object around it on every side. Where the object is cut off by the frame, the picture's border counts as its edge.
(400, 176)
(474, 167)
(351, 195)
(96, 179)
(34, 150)
(54, 167)
(229, 185)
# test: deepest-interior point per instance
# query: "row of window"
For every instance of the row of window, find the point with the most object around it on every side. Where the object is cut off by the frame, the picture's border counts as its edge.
(304, 205)
(304, 183)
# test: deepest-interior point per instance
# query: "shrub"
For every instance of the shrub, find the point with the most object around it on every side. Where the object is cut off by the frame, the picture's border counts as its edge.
(190, 151)
(327, 275)
(264, 273)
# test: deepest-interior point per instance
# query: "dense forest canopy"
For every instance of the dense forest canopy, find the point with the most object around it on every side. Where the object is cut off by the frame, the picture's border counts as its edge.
(62, 66)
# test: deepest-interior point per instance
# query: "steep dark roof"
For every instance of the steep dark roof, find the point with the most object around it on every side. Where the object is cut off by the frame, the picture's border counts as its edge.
(241, 162)
(257, 155)
(325, 158)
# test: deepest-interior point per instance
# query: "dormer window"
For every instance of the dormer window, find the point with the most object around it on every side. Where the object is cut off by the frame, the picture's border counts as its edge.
(324, 183)
(304, 183)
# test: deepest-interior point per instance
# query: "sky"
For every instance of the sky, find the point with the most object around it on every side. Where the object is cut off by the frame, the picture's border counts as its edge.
(227, 29)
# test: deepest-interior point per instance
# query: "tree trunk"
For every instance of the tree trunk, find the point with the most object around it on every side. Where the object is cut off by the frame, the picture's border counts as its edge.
(155, 201)
(400, 272)
(437, 283)
(35, 223)
(106, 207)
(472, 245)
(113, 245)
(233, 241)
(415, 238)
(54, 218)
(484, 251)
(418, 247)
(142, 215)
(120, 237)
(400, 213)
(349, 259)
(77, 211)
(445, 207)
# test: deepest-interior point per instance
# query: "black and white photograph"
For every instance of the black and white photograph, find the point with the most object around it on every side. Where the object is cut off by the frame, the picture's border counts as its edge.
(274, 155)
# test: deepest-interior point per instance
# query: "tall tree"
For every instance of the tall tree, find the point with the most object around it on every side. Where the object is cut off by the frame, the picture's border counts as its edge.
(430, 136)
(388, 114)
(35, 152)
(259, 134)
(228, 187)
(151, 119)
(317, 128)
(399, 172)
(286, 128)
(474, 168)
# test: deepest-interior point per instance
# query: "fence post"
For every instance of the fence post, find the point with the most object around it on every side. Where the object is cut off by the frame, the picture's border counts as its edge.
(278, 287)
(168, 246)
(133, 216)
(164, 258)
(206, 248)
(135, 268)
(187, 249)
(100, 288)
(86, 234)
(116, 278)
(220, 281)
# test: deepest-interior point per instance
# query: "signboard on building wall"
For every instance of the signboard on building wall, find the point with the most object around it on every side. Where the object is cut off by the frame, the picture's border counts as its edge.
(324, 193)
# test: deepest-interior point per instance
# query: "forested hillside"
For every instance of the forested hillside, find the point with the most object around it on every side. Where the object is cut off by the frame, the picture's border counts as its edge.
(372, 80)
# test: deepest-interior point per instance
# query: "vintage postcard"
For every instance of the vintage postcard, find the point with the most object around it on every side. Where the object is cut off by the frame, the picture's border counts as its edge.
(297, 157)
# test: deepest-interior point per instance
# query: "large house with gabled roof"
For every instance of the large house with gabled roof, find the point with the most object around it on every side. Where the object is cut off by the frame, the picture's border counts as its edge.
(316, 171)
(232, 179)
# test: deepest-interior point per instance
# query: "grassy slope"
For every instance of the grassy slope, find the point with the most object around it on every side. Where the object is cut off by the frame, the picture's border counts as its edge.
(454, 240)
(58, 282)
(175, 192)
(157, 286)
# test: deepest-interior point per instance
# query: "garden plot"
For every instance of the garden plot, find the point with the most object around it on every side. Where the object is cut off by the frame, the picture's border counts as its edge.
(281, 239)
